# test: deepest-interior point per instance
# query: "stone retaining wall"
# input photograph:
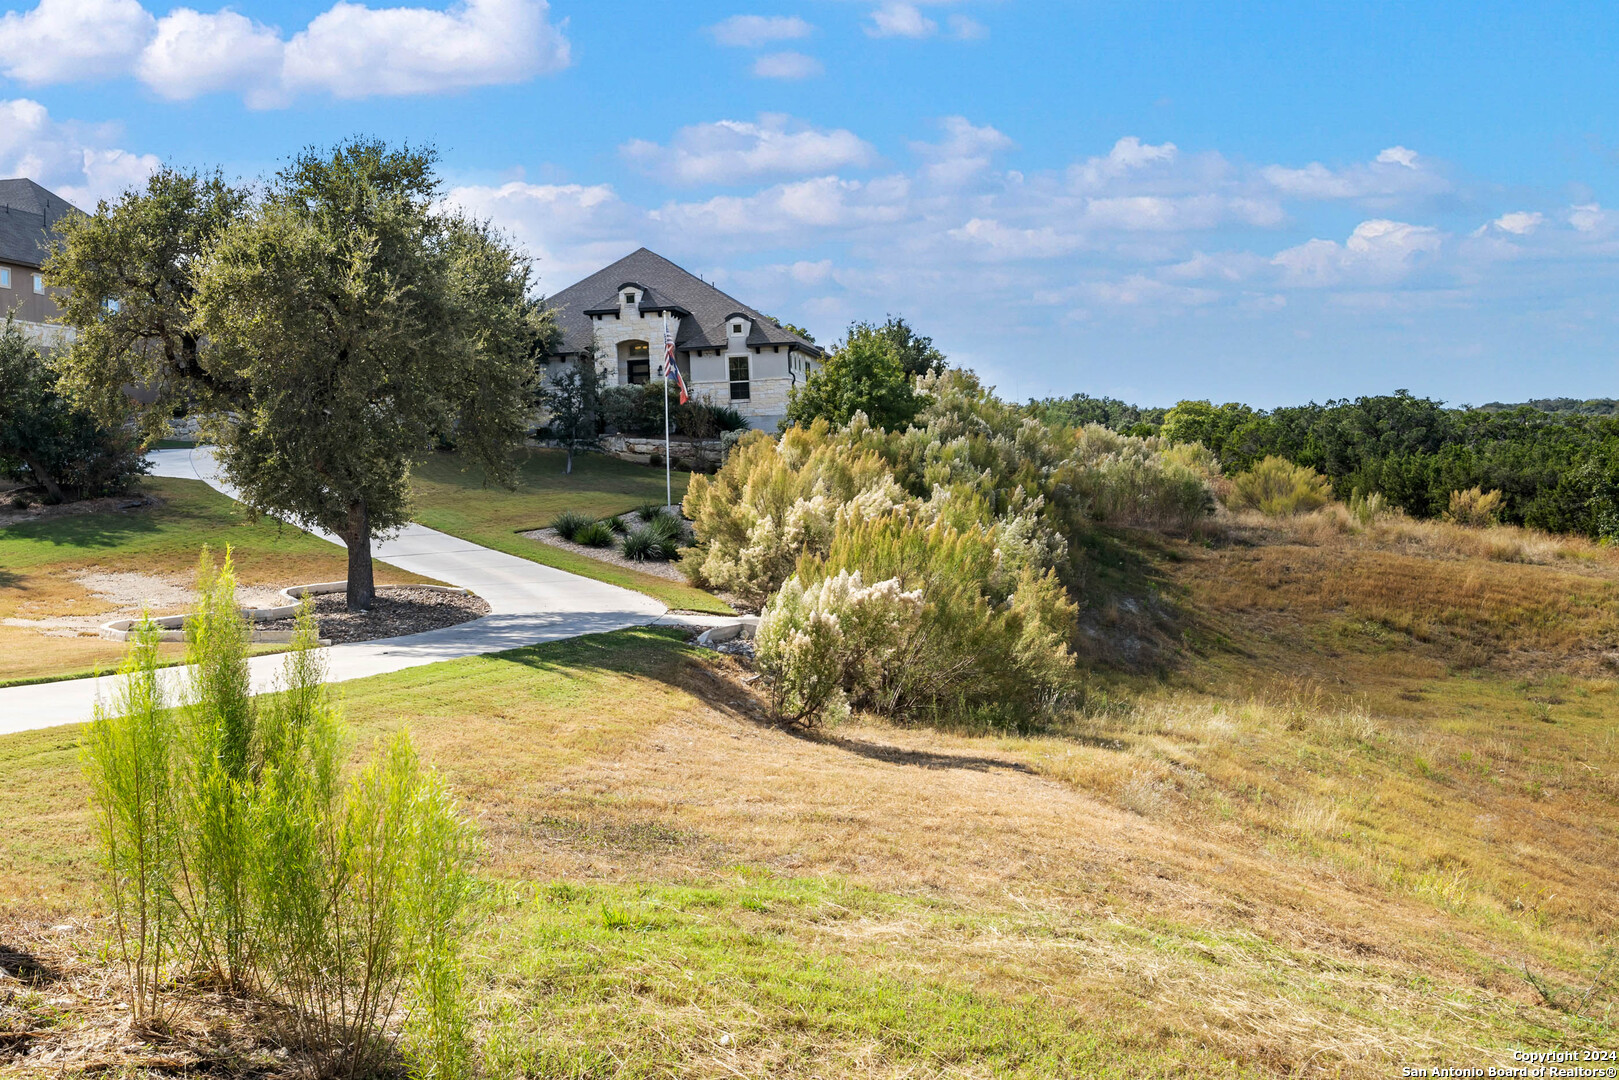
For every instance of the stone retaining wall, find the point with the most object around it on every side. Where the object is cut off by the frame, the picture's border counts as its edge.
(698, 455)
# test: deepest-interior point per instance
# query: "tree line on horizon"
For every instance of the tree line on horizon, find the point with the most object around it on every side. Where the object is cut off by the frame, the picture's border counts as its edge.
(1555, 461)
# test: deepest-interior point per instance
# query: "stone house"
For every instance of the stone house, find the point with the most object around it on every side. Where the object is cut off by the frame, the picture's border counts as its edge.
(28, 212)
(728, 353)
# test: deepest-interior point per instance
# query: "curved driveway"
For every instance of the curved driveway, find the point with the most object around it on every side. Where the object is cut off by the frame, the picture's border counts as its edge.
(529, 603)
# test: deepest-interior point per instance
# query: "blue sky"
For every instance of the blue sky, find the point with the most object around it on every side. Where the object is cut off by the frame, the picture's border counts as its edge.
(1259, 202)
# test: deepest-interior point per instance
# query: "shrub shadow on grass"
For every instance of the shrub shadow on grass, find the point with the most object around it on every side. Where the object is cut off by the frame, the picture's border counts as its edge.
(100, 530)
(20, 964)
(662, 653)
(921, 759)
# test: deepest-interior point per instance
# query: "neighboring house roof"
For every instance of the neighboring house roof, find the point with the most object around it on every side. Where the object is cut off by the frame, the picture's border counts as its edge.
(664, 287)
(27, 214)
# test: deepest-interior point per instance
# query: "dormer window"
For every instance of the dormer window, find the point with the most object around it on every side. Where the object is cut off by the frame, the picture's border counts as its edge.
(736, 328)
(629, 298)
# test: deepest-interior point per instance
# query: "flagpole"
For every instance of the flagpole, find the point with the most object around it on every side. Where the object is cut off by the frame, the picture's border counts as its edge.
(668, 475)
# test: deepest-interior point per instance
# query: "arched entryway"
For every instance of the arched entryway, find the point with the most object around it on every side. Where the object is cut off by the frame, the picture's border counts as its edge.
(634, 362)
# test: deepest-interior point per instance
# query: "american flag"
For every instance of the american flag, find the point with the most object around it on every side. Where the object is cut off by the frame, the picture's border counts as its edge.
(669, 362)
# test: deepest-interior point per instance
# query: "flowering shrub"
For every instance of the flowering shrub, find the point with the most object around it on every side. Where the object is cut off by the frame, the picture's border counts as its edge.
(964, 521)
(835, 639)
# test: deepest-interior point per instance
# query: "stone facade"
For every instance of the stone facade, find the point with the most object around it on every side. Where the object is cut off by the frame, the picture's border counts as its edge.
(629, 338)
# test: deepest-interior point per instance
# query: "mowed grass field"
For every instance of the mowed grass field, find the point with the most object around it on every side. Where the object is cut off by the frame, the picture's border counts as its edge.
(455, 500)
(1309, 848)
(39, 562)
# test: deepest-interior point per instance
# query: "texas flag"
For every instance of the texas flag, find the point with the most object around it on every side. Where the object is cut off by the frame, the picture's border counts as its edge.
(669, 362)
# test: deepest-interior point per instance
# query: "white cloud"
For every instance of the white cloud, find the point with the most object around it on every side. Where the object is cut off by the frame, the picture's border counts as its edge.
(1518, 223)
(1139, 290)
(571, 229)
(732, 151)
(1157, 213)
(1140, 234)
(750, 31)
(194, 54)
(1588, 217)
(966, 150)
(1229, 267)
(352, 51)
(74, 160)
(815, 205)
(1001, 242)
(896, 19)
(1128, 156)
(1396, 173)
(348, 51)
(73, 40)
(1378, 252)
(786, 65)
(966, 28)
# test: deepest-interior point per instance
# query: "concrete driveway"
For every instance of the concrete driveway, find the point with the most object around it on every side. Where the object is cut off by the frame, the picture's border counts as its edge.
(529, 603)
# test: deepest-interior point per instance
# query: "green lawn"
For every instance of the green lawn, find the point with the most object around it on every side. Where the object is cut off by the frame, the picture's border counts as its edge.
(38, 560)
(457, 502)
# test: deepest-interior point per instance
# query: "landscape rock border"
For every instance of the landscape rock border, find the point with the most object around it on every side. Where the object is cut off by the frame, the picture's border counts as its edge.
(172, 627)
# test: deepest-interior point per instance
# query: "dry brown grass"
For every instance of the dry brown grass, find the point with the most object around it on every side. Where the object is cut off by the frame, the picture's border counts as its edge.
(1506, 598)
(1327, 846)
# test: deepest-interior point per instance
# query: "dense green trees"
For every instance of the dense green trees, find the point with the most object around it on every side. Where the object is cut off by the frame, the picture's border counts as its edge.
(866, 373)
(333, 327)
(1555, 462)
(46, 439)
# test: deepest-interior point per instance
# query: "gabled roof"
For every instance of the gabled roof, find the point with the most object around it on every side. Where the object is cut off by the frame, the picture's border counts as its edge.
(664, 287)
(27, 213)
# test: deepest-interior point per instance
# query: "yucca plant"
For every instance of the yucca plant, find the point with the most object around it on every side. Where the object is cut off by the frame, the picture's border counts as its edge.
(596, 534)
(569, 522)
(658, 540)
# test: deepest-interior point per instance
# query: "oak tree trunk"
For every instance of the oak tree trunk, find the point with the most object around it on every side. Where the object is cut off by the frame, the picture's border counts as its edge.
(362, 587)
(52, 489)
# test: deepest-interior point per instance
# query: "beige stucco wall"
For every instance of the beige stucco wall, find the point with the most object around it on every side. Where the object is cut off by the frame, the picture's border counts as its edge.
(773, 369)
(22, 300)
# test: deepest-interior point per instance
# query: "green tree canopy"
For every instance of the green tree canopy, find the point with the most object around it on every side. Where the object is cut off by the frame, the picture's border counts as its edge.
(46, 439)
(128, 275)
(916, 354)
(863, 373)
(335, 327)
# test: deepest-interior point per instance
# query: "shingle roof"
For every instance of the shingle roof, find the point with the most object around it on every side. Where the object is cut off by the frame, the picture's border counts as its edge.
(27, 212)
(665, 287)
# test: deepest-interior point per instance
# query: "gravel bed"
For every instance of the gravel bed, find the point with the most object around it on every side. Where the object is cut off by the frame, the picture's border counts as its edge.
(394, 613)
(666, 570)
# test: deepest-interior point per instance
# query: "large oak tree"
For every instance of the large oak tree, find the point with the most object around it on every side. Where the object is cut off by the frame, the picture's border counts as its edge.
(336, 327)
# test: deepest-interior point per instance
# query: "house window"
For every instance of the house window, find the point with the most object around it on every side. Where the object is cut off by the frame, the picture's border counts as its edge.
(740, 390)
(637, 362)
(39, 283)
(629, 298)
(5, 277)
(736, 328)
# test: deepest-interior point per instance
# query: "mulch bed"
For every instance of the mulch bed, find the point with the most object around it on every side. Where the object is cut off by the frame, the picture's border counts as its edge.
(394, 613)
